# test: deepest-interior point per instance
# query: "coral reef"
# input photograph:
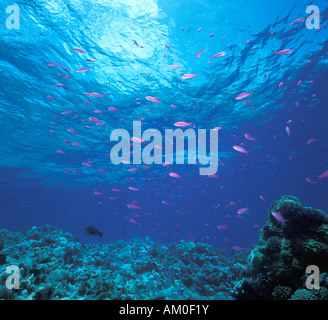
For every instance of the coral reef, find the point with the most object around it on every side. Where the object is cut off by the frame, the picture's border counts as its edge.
(277, 264)
(53, 265)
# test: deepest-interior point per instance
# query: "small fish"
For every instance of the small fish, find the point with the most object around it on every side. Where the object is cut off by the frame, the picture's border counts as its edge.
(220, 54)
(134, 188)
(53, 64)
(297, 21)
(249, 137)
(167, 46)
(199, 53)
(174, 67)
(135, 139)
(182, 124)
(324, 175)
(288, 131)
(132, 206)
(240, 149)
(174, 175)
(211, 35)
(284, 52)
(279, 217)
(92, 231)
(280, 85)
(153, 99)
(242, 210)
(86, 164)
(83, 70)
(243, 95)
(222, 227)
(136, 43)
(199, 29)
(79, 50)
(237, 248)
(309, 180)
(262, 198)
(311, 140)
(188, 75)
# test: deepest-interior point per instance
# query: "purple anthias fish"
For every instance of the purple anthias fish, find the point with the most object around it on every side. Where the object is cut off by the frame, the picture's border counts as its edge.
(279, 217)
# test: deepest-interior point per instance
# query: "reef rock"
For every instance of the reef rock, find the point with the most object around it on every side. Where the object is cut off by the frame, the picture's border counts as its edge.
(285, 250)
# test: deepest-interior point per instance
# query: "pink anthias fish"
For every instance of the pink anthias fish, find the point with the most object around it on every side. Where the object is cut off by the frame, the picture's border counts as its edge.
(312, 140)
(242, 210)
(249, 137)
(167, 46)
(279, 217)
(134, 188)
(83, 70)
(199, 53)
(53, 64)
(324, 175)
(72, 130)
(189, 75)
(309, 180)
(237, 248)
(288, 131)
(262, 198)
(132, 206)
(243, 95)
(211, 35)
(222, 227)
(174, 175)
(182, 124)
(78, 50)
(153, 99)
(284, 52)
(219, 54)
(240, 149)
(135, 139)
(174, 67)
(297, 21)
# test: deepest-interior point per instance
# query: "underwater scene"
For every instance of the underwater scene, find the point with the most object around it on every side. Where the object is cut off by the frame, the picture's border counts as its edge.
(163, 150)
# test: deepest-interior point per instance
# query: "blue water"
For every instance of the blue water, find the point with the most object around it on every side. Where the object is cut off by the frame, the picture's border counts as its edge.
(40, 186)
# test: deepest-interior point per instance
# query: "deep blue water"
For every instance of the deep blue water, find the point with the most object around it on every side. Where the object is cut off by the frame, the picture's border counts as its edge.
(40, 186)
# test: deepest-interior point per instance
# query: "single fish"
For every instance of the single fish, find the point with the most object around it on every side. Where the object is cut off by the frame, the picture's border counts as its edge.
(92, 231)
(135, 139)
(211, 35)
(262, 198)
(167, 46)
(240, 149)
(174, 175)
(188, 75)
(53, 64)
(199, 53)
(174, 67)
(297, 21)
(242, 210)
(279, 217)
(222, 227)
(83, 70)
(309, 180)
(284, 52)
(220, 54)
(182, 124)
(243, 95)
(79, 50)
(311, 140)
(324, 175)
(288, 131)
(153, 99)
(249, 137)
